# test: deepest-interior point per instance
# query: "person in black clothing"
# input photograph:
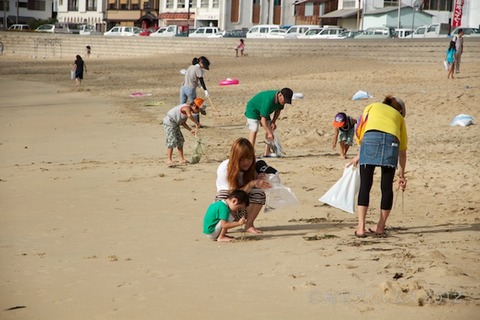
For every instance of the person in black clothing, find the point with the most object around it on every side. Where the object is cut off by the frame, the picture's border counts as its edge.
(78, 67)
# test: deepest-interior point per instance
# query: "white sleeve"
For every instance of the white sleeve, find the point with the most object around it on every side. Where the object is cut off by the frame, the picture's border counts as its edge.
(222, 183)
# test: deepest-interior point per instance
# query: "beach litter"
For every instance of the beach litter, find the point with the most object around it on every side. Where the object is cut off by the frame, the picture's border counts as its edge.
(462, 120)
(360, 95)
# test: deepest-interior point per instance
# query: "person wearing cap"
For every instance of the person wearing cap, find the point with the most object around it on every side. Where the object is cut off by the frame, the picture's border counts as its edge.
(382, 135)
(344, 132)
(176, 117)
(194, 78)
(258, 111)
(239, 171)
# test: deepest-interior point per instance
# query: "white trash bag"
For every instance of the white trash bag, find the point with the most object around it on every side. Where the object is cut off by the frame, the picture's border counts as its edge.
(360, 95)
(462, 120)
(344, 192)
(278, 196)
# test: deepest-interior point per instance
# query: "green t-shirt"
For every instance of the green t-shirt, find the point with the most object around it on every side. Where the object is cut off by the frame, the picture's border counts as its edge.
(216, 211)
(262, 105)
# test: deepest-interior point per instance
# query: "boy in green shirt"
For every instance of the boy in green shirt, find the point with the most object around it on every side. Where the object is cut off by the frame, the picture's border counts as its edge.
(218, 218)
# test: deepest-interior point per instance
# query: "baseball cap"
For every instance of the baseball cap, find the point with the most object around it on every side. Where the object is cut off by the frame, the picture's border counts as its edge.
(287, 95)
(198, 102)
(339, 120)
(262, 167)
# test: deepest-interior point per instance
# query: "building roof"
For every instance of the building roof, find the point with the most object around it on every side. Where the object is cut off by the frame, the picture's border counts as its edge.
(342, 13)
(390, 9)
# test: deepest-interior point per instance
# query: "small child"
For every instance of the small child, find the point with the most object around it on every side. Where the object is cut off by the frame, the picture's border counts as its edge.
(241, 47)
(175, 118)
(450, 58)
(88, 51)
(344, 132)
(218, 218)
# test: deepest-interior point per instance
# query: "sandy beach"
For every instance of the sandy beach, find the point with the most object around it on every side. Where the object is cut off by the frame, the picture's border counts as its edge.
(96, 226)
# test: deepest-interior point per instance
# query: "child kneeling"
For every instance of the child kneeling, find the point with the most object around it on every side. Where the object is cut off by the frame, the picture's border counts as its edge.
(218, 218)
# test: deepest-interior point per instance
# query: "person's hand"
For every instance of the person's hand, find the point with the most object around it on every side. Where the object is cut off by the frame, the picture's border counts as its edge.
(273, 125)
(402, 183)
(269, 137)
(206, 93)
(261, 184)
(242, 221)
(354, 161)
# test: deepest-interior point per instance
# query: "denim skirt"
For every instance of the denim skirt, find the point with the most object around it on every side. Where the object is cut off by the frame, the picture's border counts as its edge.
(379, 149)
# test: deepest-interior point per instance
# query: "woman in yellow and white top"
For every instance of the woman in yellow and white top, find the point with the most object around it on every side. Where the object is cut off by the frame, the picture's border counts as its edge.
(382, 135)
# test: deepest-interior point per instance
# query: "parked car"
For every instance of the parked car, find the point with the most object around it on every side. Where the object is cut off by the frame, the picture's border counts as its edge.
(147, 32)
(310, 33)
(261, 30)
(377, 33)
(467, 32)
(206, 32)
(49, 28)
(328, 33)
(235, 33)
(123, 31)
(167, 31)
(276, 34)
(298, 30)
(436, 30)
(87, 30)
(67, 27)
(19, 27)
(348, 34)
(403, 33)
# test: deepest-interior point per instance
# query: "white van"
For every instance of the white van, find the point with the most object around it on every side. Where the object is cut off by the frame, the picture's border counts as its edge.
(206, 32)
(377, 33)
(436, 30)
(298, 30)
(123, 31)
(19, 27)
(261, 31)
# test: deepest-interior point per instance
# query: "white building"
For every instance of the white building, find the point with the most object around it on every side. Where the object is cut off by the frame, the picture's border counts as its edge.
(90, 12)
(25, 11)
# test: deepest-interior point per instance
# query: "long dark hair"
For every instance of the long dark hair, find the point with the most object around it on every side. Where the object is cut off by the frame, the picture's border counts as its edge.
(241, 148)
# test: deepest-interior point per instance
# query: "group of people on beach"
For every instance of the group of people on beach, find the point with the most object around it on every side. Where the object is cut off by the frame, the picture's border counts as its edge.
(453, 56)
(241, 179)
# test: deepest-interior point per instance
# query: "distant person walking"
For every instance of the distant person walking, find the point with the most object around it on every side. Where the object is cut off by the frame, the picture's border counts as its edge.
(240, 47)
(193, 79)
(450, 59)
(459, 47)
(78, 67)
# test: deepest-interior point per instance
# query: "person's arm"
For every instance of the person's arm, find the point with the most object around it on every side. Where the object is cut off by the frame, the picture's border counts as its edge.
(402, 162)
(335, 139)
(190, 116)
(85, 67)
(227, 225)
(257, 183)
(274, 120)
(267, 128)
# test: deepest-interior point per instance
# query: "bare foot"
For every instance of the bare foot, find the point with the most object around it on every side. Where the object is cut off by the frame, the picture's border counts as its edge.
(254, 230)
(225, 239)
(184, 161)
(170, 163)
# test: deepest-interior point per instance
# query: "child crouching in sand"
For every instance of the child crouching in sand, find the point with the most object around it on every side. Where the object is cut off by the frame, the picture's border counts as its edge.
(218, 218)
(344, 132)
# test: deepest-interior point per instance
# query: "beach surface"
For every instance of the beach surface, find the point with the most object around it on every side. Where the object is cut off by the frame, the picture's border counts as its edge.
(94, 225)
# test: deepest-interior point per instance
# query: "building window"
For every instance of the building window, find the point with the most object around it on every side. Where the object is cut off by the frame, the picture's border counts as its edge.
(181, 4)
(203, 3)
(3, 3)
(349, 4)
(91, 5)
(308, 9)
(169, 4)
(36, 5)
(215, 4)
(22, 4)
(390, 3)
(73, 5)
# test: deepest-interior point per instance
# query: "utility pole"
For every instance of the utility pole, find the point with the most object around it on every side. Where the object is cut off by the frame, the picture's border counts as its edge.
(188, 16)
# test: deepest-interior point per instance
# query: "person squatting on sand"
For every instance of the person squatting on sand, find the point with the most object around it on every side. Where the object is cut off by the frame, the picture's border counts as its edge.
(382, 135)
(193, 78)
(78, 67)
(258, 111)
(176, 117)
(238, 172)
(344, 132)
(218, 218)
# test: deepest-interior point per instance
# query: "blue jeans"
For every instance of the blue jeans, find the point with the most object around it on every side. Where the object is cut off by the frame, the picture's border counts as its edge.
(379, 149)
(189, 94)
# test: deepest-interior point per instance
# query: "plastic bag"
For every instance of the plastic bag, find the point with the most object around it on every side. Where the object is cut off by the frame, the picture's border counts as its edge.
(359, 95)
(445, 64)
(197, 150)
(275, 146)
(344, 192)
(72, 75)
(278, 196)
(462, 120)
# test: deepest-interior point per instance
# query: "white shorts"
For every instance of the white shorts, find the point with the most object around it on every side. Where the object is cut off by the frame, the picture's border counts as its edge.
(214, 235)
(254, 125)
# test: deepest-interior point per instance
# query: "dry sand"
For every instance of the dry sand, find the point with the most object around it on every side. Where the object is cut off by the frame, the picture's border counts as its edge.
(95, 226)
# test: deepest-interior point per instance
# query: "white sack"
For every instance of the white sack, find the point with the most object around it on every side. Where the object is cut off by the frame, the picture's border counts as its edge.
(344, 192)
